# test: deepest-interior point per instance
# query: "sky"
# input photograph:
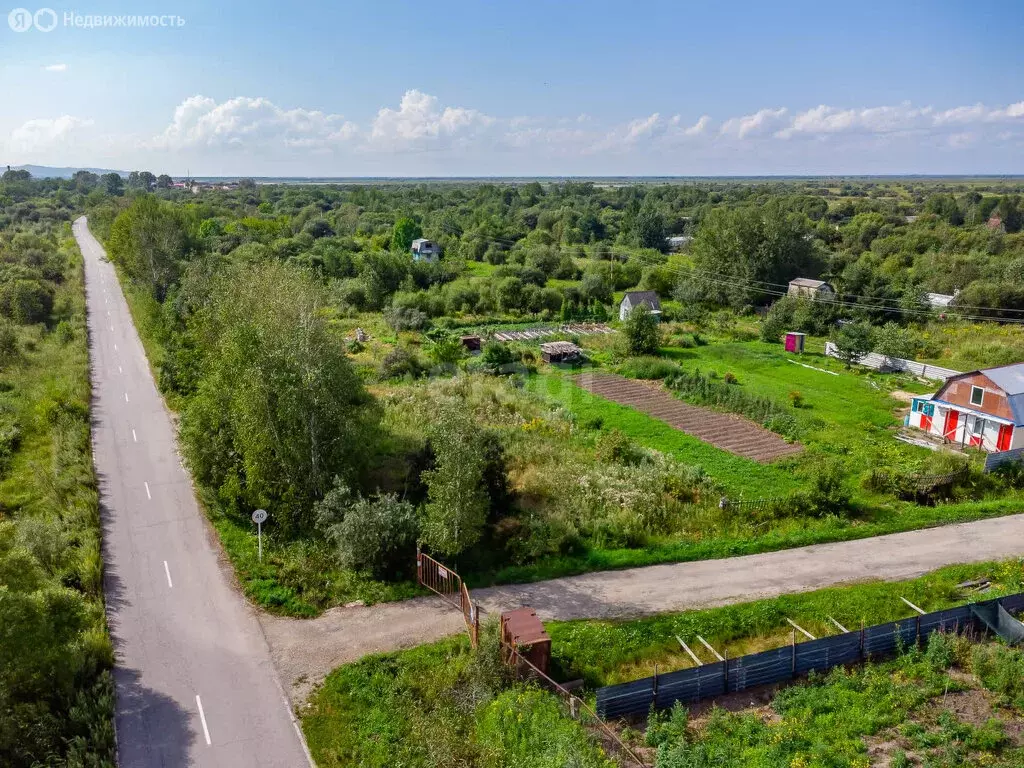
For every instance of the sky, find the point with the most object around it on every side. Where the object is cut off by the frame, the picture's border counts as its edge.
(525, 88)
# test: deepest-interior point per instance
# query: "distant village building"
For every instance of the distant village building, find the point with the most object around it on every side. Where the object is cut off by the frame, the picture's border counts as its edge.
(981, 409)
(677, 243)
(634, 299)
(425, 250)
(810, 289)
(560, 352)
(471, 343)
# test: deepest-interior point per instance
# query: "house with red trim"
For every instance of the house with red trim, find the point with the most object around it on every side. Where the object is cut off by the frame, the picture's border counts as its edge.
(981, 409)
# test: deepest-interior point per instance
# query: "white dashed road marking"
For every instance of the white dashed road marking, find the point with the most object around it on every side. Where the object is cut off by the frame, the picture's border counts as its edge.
(170, 584)
(202, 717)
(148, 494)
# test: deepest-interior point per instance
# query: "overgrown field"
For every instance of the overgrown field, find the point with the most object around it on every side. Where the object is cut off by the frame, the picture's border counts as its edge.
(56, 690)
(433, 705)
(953, 703)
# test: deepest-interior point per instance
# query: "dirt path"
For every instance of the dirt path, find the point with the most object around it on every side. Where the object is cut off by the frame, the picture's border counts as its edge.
(305, 651)
(731, 433)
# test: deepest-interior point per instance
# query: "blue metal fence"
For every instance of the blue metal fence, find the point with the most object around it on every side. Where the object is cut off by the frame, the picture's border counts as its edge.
(709, 680)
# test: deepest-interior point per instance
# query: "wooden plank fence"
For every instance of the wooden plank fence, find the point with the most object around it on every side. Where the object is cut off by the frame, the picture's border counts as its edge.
(689, 686)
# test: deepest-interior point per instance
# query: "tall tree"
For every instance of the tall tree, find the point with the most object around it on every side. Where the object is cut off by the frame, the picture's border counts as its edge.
(740, 254)
(279, 410)
(405, 231)
(458, 503)
(149, 239)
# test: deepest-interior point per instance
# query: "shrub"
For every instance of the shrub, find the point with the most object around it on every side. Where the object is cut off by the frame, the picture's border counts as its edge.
(376, 536)
(648, 368)
(64, 332)
(641, 331)
(667, 726)
(614, 446)
(406, 319)
(796, 399)
(399, 363)
(26, 301)
(829, 492)
(730, 378)
(9, 351)
(526, 727)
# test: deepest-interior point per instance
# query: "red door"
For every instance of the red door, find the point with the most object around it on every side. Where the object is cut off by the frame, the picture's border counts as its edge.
(949, 428)
(1005, 437)
(926, 422)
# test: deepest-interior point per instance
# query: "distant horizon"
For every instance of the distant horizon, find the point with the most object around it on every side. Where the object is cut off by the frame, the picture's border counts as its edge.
(68, 169)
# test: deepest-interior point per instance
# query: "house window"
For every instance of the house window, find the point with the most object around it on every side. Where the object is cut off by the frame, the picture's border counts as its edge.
(977, 395)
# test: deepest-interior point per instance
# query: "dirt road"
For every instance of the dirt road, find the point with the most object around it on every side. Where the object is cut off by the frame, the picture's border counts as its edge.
(305, 651)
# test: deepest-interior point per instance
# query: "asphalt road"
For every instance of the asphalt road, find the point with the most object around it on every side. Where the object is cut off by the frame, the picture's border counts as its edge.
(194, 676)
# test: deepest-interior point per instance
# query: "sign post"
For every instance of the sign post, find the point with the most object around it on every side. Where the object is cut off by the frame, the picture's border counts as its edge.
(259, 517)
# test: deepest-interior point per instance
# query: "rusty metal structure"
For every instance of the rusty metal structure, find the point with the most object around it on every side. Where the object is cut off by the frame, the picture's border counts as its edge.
(449, 586)
(523, 636)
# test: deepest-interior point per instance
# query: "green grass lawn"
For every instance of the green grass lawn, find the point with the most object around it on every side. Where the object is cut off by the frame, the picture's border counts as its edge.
(851, 414)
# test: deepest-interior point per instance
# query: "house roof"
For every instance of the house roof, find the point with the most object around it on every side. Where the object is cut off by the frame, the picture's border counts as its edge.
(421, 241)
(560, 348)
(643, 297)
(1010, 379)
(807, 282)
(940, 299)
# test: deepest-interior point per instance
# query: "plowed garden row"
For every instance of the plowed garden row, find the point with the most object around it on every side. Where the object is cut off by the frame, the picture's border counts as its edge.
(729, 432)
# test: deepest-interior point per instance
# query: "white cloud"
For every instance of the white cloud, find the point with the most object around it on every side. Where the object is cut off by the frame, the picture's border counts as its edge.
(56, 68)
(762, 122)
(979, 113)
(45, 134)
(824, 120)
(462, 139)
(419, 122)
(200, 121)
(698, 128)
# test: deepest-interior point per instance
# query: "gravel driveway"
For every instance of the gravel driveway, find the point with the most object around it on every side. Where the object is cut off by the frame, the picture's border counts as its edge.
(306, 650)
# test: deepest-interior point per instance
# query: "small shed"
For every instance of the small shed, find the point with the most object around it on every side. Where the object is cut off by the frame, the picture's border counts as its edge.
(809, 288)
(560, 352)
(523, 635)
(795, 342)
(471, 343)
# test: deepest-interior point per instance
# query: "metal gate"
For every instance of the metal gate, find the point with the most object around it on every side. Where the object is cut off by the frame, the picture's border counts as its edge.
(449, 585)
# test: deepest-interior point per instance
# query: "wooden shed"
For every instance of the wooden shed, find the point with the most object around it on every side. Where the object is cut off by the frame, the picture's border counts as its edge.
(523, 634)
(560, 352)
(471, 343)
